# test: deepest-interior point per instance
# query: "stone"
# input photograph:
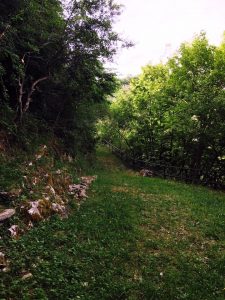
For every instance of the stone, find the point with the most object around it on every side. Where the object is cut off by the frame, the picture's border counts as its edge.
(27, 276)
(14, 230)
(146, 173)
(7, 213)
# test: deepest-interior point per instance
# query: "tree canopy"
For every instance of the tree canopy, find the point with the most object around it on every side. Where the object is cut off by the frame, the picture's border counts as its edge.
(51, 65)
(173, 114)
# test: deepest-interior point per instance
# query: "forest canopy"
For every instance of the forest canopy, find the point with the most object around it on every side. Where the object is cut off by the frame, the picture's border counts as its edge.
(173, 114)
(51, 67)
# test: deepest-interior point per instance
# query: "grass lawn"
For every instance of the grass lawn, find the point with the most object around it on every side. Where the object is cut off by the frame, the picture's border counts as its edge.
(134, 238)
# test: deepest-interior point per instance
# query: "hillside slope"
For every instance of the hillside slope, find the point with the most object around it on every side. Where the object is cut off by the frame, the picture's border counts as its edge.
(133, 238)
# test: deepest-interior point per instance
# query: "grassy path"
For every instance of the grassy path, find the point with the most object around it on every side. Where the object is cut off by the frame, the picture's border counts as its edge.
(134, 238)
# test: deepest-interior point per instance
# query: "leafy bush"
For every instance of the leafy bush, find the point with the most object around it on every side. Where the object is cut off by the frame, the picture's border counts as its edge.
(174, 113)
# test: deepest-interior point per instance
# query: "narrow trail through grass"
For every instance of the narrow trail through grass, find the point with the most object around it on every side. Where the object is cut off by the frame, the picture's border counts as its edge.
(134, 238)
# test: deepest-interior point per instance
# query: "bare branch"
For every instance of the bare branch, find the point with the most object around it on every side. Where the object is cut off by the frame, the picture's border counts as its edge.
(32, 90)
(20, 98)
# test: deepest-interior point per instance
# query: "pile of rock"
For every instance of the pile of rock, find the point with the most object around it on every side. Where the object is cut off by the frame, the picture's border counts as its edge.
(79, 190)
(35, 211)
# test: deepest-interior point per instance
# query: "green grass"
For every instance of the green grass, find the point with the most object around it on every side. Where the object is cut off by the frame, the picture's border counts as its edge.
(134, 238)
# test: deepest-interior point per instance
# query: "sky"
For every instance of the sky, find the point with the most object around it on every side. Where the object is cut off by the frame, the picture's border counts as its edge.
(158, 27)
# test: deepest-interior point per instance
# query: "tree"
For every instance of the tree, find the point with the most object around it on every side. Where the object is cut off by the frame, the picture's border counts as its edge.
(174, 113)
(51, 63)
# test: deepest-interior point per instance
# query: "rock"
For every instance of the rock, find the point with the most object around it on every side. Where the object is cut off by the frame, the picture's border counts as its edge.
(15, 231)
(7, 213)
(87, 180)
(79, 190)
(34, 211)
(57, 208)
(27, 276)
(6, 270)
(82, 194)
(146, 173)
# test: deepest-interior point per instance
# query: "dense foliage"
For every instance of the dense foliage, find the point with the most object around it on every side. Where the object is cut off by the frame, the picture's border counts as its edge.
(173, 114)
(51, 66)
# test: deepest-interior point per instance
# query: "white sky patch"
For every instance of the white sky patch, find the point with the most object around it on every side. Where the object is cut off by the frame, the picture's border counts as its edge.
(158, 27)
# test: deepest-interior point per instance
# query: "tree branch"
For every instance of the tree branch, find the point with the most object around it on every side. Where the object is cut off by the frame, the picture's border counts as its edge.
(32, 90)
(4, 32)
(20, 98)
